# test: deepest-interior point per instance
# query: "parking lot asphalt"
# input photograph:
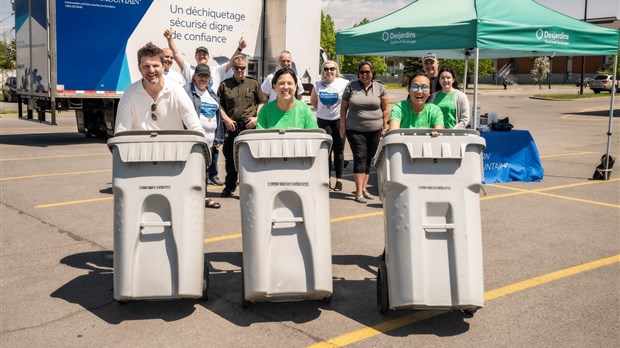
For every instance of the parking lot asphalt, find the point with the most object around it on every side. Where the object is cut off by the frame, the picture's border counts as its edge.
(551, 252)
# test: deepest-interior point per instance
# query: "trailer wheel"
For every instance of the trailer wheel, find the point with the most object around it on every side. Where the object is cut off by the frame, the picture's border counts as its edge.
(382, 290)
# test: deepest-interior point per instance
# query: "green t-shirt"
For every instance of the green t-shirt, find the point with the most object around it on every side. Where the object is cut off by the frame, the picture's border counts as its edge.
(300, 116)
(448, 108)
(429, 117)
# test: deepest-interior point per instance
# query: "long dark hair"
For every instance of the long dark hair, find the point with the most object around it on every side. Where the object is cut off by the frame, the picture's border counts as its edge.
(455, 84)
(284, 71)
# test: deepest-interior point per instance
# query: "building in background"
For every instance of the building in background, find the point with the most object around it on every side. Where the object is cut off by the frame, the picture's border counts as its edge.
(567, 69)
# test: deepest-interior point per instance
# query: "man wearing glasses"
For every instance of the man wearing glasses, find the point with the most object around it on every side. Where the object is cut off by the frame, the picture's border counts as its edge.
(152, 103)
(240, 99)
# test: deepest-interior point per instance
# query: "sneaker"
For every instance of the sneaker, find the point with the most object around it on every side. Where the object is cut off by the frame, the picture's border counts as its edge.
(227, 193)
(368, 195)
(216, 181)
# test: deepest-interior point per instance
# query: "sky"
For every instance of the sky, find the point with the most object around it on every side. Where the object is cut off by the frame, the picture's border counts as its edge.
(346, 13)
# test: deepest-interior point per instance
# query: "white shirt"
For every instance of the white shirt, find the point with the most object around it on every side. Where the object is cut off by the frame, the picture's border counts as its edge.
(218, 74)
(174, 109)
(267, 88)
(329, 98)
(175, 76)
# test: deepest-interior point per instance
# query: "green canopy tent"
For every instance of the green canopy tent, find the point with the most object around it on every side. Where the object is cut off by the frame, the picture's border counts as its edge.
(484, 28)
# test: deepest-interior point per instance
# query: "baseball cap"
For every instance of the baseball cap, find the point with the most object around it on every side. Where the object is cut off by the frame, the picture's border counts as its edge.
(202, 48)
(430, 55)
(202, 69)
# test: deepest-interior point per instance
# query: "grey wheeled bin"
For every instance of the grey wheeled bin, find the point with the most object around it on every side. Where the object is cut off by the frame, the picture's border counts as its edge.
(284, 197)
(429, 183)
(159, 193)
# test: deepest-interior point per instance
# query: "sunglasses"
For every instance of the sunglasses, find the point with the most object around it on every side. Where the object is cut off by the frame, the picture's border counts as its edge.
(332, 68)
(153, 108)
(239, 68)
(364, 72)
(415, 87)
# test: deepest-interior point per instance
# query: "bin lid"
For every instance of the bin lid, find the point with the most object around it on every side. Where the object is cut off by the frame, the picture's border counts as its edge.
(276, 143)
(157, 145)
(431, 143)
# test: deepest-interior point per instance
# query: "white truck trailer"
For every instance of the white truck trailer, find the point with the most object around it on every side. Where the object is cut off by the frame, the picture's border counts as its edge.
(82, 54)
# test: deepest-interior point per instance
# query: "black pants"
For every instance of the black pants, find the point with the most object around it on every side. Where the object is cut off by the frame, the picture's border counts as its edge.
(363, 145)
(333, 128)
(229, 155)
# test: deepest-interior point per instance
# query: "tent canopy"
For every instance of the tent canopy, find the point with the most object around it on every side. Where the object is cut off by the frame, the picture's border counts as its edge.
(499, 29)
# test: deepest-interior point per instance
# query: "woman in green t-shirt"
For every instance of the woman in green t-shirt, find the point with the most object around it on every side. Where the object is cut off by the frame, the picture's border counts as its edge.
(452, 102)
(286, 112)
(415, 112)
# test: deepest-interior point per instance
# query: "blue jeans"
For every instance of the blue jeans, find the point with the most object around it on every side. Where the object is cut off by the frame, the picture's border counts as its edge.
(212, 170)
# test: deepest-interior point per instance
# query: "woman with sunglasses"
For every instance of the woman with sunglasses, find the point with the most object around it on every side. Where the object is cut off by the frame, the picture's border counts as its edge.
(364, 114)
(286, 112)
(452, 102)
(326, 97)
(415, 112)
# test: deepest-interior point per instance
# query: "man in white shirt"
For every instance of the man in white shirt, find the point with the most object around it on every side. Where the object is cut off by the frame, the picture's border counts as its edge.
(285, 60)
(152, 103)
(169, 73)
(218, 73)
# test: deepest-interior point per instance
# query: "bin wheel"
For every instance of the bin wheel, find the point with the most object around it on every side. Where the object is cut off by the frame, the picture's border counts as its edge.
(469, 313)
(327, 300)
(244, 303)
(205, 285)
(382, 290)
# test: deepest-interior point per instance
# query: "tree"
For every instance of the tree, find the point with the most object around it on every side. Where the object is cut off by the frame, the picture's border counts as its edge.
(541, 70)
(328, 36)
(348, 64)
(7, 55)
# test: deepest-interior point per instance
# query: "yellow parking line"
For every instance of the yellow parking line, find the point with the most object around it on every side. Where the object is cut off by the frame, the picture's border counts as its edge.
(50, 157)
(221, 238)
(567, 154)
(579, 200)
(55, 174)
(73, 202)
(369, 332)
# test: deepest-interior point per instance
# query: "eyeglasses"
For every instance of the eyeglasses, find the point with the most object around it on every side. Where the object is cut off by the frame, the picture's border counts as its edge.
(153, 108)
(331, 68)
(238, 68)
(415, 87)
(364, 72)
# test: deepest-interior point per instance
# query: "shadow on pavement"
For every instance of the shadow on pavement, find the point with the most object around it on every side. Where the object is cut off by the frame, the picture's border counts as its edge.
(48, 139)
(603, 113)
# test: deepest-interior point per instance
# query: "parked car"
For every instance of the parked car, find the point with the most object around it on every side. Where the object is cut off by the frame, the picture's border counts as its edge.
(603, 83)
(350, 77)
(9, 89)
(586, 82)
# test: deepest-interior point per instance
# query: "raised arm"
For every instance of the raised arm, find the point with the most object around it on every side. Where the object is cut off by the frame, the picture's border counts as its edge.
(178, 57)
(242, 45)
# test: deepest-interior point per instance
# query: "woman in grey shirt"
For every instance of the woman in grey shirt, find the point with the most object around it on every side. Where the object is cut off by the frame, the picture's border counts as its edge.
(364, 113)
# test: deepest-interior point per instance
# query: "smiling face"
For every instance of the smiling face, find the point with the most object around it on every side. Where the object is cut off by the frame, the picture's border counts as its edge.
(365, 74)
(419, 92)
(151, 69)
(285, 60)
(431, 67)
(202, 81)
(201, 57)
(168, 58)
(285, 87)
(446, 79)
(330, 71)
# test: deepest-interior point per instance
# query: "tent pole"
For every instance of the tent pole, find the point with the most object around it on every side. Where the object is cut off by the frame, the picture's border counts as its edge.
(611, 116)
(475, 121)
(465, 76)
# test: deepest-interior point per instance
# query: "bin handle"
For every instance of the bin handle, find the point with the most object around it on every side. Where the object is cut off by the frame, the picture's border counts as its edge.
(156, 224)
(285, 220)
(438, 227)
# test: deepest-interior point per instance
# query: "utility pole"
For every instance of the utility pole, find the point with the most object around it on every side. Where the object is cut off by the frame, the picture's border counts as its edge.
(583, 58)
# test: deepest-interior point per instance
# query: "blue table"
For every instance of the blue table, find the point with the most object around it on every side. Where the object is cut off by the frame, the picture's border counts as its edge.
(510, 156)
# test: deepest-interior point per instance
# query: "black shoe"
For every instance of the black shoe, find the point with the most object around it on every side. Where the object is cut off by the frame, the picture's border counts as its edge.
(216, 181)
(227, 193)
